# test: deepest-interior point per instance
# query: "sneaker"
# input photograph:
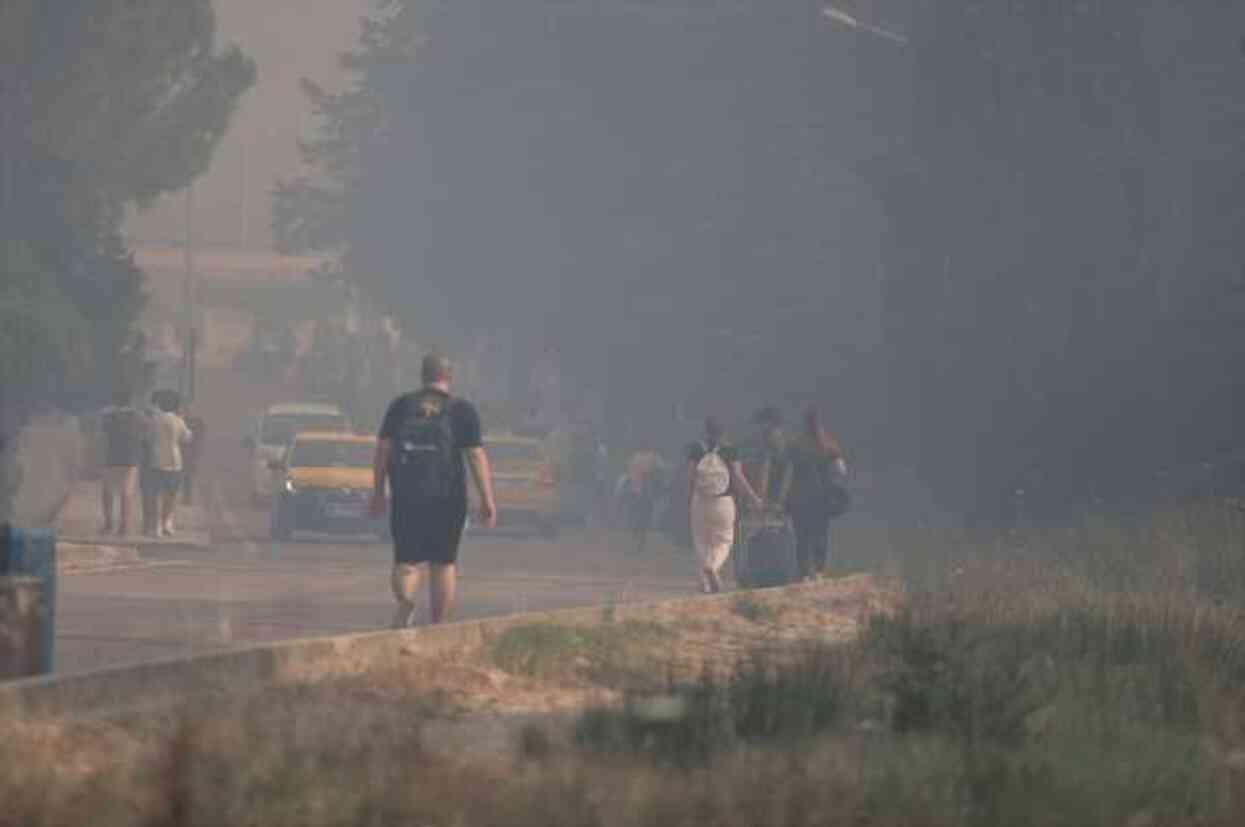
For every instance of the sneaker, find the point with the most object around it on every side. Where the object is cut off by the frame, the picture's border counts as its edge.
(403, 622)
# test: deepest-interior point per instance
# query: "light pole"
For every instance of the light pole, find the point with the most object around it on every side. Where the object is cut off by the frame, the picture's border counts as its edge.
(188, 302)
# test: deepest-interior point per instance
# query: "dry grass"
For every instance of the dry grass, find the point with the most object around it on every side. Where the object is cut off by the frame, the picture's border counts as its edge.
(1034, 686)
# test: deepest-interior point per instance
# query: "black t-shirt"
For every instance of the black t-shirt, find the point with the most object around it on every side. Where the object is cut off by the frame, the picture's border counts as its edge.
(697, 450)
(812, 473)
(464, 422)
(124, 430)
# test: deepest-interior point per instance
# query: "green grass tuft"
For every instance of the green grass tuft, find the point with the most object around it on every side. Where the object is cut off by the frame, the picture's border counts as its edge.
(604, 653)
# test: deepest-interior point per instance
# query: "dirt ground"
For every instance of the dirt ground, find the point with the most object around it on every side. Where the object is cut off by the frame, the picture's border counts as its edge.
(477, 702)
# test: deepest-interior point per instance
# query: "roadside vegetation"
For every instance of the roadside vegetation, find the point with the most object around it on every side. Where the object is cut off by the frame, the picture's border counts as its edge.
(1090, 676)
(610, 654)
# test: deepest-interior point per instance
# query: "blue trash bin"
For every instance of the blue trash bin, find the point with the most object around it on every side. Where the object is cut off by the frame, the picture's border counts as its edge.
(32, 553)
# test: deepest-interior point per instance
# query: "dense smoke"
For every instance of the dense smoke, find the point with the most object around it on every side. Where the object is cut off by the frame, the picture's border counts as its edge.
(1002, 247)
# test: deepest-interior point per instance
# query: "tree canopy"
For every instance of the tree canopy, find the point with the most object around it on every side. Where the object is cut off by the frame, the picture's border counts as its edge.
(1006, 253)
(107, 103)
(103, 103)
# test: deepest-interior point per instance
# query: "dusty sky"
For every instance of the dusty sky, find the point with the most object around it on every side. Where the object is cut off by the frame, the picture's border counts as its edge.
(290, 40)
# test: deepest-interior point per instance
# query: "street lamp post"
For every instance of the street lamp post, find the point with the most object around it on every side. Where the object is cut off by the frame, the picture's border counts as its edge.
(188, 302)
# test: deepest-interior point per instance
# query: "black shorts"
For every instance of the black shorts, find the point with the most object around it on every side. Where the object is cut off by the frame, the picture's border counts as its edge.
(427, 532)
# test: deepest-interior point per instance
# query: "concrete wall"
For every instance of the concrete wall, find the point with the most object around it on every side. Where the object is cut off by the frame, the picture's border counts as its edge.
(112, 690)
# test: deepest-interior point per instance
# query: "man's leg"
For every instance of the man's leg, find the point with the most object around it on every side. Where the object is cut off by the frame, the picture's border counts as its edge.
(405, 582)
(127, 500)
(821, 543)
(149, 498)
(170, 484)
(444, 589)
(803, 545)
(166, 511)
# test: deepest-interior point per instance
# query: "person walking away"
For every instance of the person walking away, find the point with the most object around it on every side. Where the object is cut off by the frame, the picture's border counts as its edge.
(427, 440)
(765, 458)
(122, 429)
(813, 495)
(639, 490)
(715, 476)
(169, 436)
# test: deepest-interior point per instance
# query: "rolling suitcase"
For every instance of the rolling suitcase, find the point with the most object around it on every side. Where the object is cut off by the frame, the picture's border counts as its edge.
(765, 554)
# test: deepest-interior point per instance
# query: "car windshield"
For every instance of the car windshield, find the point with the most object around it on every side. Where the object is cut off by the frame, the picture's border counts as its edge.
(322, 453)
(279, 430)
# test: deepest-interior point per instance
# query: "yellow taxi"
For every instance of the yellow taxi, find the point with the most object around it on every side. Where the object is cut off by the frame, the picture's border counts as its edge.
(523, 481)
(326, 484)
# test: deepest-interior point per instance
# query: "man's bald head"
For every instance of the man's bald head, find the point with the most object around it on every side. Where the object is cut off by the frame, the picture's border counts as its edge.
(436, 369)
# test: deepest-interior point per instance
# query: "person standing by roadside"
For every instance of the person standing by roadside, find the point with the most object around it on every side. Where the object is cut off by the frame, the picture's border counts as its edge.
(813, 493)
(715, 477)
(122, 428)
(427, 440)
(169, 435)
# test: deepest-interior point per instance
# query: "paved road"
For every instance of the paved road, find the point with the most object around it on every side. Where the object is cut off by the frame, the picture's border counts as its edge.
(246, 589)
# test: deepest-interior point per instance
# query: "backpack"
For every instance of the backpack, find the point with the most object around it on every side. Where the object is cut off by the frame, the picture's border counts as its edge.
(424, 464)
(713, 477)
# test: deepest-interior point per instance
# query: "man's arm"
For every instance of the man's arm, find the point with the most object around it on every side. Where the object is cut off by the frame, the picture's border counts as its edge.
(482, 474)
(691, 483)
(184, 434)
(380, 472)
(741, 482)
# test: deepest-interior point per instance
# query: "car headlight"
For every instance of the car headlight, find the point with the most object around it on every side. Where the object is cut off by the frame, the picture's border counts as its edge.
(290, 487)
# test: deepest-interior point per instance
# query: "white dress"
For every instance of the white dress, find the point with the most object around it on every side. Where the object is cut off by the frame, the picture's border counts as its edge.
(713, 529)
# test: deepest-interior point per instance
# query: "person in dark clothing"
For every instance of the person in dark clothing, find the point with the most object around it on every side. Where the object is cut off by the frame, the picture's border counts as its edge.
(427, 441)
(815, 460)
(639, 490)
(123, 428)
(764, 455)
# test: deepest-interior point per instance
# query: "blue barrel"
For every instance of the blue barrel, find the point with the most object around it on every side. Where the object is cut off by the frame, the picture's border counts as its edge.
(32, 553)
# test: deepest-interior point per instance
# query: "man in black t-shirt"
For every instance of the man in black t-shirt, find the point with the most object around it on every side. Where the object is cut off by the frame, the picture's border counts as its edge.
(427, 441)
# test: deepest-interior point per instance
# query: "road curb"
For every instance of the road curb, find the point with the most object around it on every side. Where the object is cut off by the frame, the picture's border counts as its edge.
(72, 556)
(237, 670)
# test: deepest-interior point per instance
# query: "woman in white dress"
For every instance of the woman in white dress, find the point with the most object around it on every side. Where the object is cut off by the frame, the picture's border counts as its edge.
(715, 478)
